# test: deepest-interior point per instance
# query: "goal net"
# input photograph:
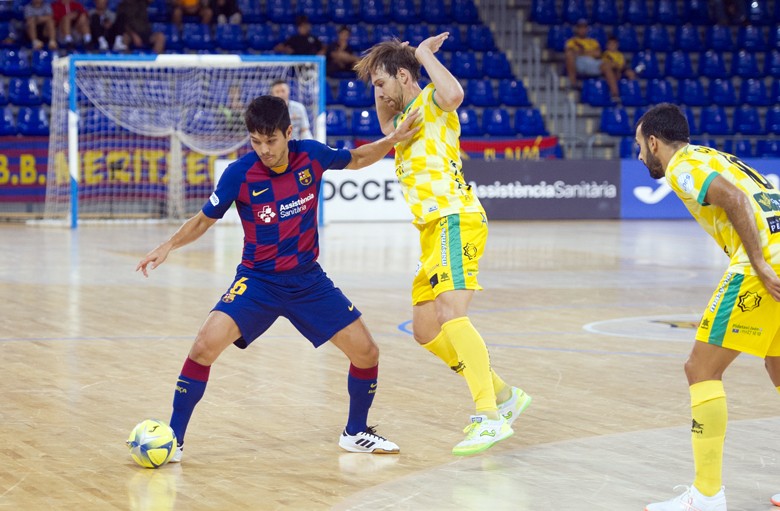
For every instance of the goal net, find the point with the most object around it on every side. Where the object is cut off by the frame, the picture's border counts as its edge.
(136, 137)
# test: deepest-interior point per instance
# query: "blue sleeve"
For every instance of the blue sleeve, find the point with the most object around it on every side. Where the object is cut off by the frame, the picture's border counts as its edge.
(328, 157)
(227, 191)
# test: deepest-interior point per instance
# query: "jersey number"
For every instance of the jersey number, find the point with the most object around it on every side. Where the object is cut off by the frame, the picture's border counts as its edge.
(760, 180)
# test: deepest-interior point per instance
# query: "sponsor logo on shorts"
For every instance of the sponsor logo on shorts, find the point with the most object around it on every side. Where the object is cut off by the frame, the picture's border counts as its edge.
(470, 250)
(444, 277)
(351, 307)
(705, 324)
(443, 249)
(434, 280)
(749, 301)
(721, 290)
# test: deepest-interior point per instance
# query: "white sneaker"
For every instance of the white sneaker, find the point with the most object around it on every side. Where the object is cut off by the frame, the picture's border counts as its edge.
(515, 405)
(692, 500)
(102, 43)
(482, 434)
(367, 441)
(119, 44)
(177, 455)
(775, 499)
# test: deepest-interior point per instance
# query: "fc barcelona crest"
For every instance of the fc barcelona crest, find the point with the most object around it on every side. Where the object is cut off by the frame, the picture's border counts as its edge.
(304, 177)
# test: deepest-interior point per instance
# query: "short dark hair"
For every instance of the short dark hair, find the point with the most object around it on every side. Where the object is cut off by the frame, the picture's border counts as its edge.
(266, 114)
(279, 81)
(391, 56)
(612, 37)
(301, 19)
(665, 122)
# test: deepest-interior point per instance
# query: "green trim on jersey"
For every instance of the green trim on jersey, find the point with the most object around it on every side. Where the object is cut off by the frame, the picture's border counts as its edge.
(456, 261)
(704, 187)
(721, 321)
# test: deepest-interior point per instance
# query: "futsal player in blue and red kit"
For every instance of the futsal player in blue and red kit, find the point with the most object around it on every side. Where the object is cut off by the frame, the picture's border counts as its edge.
(275, 189)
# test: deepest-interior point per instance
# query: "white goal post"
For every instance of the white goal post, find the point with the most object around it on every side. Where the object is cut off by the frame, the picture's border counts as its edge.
(136, 136)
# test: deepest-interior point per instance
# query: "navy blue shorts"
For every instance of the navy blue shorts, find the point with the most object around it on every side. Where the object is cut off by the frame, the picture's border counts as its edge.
(308, 298)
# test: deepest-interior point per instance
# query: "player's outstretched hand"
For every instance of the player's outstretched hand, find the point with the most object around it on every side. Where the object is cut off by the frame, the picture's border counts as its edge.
(156, 257)
(433, 43)
(407, 129)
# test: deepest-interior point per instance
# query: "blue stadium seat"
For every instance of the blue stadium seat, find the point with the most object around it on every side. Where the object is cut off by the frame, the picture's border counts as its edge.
(326, 32)
(659, 90)
(665, 11)
(707, 142)
(404, 11)
(746, 121)
(480, 38)
(365, 123)
(772, 64)
(496, 65)
(631, 93)
(529, 122)
(711, 65)
(158, 10)
(15, 62)
(416, 33)
(635, 11)
(436, 12)
(722, 92)
(718, 38)
(469, 123)
(261, 37)
(753, 92)
(768, 148)
(774, 94)
(197, 36)
(628, 148)
(96, 122)
(386, 33)
(373, 11)
(497, 122)
(480, 93)
(279, 11)
(693, 126)
(354, 93)
(614, 121)
(696, 12)
(557, 37)
(455, 41)
(773, 120)
(251, 11)
(751, 38)
(627, 38)
(341, 12)
(657, 38)
(638, 113)
(33, 121)
(41, 62)
(24, 92)
(3, 94)
(465, 12)
(605, 12)
(678, 65)
(774, 34)
(336, 123)
(740, 148)
(687, 38)
(758, 12)
(464, 65)
(691, 92)
(513, 93)
(649, 64)
(714, 121)
(574, 10)
(745, 64)
(172, 35)
(7, 122)
(359, 37)
(5, 29)
(595, 92)
(598, 33)
(46, 91)
(230, 37)
(545, 12)
(314, 10)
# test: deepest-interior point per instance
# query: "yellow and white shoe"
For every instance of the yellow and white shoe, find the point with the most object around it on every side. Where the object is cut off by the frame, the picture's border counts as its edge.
(481, 434)
(514, 406)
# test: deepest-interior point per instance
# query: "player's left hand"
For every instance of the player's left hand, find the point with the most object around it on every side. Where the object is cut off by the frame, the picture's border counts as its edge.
(407, 128)
(433, 43)
(769, 278)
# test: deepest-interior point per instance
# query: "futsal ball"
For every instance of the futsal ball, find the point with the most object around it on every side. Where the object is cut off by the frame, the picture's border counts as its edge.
(152, 443)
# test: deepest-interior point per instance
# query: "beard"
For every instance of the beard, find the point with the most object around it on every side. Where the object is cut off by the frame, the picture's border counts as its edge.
(653, 164)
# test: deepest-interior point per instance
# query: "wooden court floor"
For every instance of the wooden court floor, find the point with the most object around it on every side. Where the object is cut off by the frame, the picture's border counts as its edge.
(593, 319)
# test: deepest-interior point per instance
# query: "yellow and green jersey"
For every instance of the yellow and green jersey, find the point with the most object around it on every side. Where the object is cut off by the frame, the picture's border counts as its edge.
(428, 165)
(690, 172)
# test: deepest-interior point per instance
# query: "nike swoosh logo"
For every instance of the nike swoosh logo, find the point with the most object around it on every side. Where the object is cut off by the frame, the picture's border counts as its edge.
(255, 194)
(351, 307)
(373, 385)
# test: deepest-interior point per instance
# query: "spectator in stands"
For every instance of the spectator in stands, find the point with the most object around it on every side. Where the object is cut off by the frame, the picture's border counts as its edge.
(233, 110)
(302, 43)
(101, 23)
(340, 56)
(69, 17)
(728, 12)
(583, 58)
(39, 24)
(298, 115)
(616, 60)
(225, 11)
(181, 8)
(134, 28)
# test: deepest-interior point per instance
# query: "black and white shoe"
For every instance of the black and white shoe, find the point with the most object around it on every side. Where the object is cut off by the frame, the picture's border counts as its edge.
(367, 441)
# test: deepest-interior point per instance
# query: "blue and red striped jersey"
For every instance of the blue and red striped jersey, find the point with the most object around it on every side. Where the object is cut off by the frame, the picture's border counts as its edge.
(278, 211)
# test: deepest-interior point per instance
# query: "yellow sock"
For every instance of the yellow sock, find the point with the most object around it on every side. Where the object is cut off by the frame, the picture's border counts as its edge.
(473, 355)
(777, 388)
(708, 432)
(442, 348)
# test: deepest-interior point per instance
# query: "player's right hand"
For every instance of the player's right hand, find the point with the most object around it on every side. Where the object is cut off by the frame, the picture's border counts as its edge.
(156, 257)
(434, 43)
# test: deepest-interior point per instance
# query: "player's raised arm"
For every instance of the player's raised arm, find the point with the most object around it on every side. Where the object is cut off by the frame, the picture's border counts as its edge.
(190, 230)
(367, 154)
(449, 93)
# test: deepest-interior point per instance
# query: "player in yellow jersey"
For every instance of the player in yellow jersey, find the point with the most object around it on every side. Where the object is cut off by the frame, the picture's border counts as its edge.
(452, 227)
(740, 209)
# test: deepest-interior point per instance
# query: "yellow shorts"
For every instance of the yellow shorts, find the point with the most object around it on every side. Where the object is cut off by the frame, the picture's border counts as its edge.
(451, 248)
(742, 316)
